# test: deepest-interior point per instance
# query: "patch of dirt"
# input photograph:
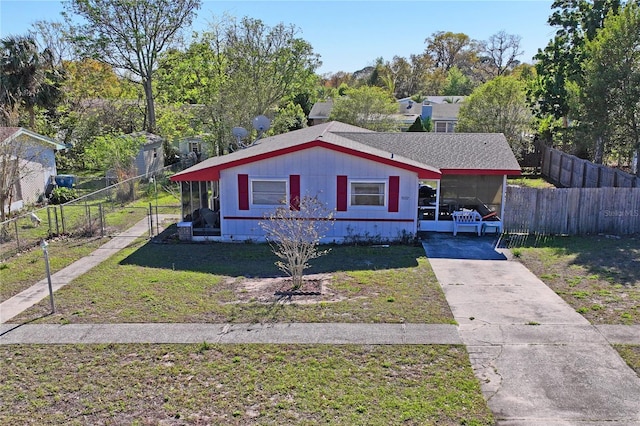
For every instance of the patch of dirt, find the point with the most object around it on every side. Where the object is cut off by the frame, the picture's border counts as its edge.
(315, 289)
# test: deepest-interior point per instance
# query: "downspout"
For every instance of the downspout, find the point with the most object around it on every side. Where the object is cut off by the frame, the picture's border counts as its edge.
(504, 199)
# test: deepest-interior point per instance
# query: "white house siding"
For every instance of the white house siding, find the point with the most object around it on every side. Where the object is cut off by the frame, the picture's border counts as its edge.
(318, 169)
(34, 174)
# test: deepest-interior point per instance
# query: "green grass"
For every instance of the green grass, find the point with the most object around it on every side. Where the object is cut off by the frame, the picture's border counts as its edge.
(631, 354)
(239, 385)
(149, 282)
(598, 276)
(530, 182)
(21, 272)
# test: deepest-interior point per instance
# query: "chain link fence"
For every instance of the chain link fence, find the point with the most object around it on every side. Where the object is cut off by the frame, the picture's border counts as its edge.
(101, 213)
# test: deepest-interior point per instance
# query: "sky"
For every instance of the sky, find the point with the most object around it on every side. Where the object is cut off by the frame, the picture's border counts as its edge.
(350, 35)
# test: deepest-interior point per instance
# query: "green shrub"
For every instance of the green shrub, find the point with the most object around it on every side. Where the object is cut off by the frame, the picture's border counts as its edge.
(62, 195)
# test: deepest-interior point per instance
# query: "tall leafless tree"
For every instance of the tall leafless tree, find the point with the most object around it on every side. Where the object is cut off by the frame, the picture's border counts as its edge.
(130, 35)
(501, 52)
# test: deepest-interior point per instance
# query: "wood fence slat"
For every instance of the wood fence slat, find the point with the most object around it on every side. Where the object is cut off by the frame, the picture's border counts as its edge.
(572, 211)
(567, 170)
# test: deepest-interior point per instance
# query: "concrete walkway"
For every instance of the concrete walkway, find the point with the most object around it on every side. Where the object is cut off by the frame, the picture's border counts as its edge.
(538, 361)
(294, 333)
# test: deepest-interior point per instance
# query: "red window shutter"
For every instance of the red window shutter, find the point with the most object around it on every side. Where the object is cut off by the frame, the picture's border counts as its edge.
(341, 202)
(243, 192)
(294, 192)
(394, 193)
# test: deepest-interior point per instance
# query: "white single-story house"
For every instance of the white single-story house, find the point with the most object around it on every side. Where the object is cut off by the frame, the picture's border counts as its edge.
(31, 156)
(380, 185)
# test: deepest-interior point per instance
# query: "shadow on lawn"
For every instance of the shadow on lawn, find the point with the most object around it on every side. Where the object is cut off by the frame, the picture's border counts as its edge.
(614, 259)
(258, 260)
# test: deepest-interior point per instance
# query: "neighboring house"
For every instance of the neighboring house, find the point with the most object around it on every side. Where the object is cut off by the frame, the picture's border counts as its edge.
(443, 111)
(32, 157)
(381, 185)
(150, 157)
(445, 117)
(194, 149)
(320, 113)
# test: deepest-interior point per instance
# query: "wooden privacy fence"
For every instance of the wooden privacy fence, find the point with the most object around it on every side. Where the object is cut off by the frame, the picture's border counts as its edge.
(569, 171)
(572, 211)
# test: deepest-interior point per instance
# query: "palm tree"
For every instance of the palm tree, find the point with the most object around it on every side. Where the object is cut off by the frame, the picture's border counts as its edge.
(28, 78)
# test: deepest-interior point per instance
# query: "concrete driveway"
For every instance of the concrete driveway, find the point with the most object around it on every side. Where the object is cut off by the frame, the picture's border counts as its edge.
(538, 361)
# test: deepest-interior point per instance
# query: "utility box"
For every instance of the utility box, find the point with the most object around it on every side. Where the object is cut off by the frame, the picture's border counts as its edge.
(65, 181)
(185, 231)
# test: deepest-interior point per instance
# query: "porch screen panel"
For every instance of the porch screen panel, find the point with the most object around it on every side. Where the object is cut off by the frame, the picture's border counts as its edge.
(243, 192)
(342, 194)
(462, 191)
(294, 190)
(187, 208)
(394, 193)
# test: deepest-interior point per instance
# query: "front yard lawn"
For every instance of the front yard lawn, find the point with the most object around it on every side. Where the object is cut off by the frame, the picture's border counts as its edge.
(24, 270)
(239, 385)
(218, 282)
(599, 276)
(631, 354)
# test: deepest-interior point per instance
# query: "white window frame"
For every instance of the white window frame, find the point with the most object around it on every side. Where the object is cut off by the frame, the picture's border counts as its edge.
(449, 126)
(385, 195)
(195, 147)
(279, 203)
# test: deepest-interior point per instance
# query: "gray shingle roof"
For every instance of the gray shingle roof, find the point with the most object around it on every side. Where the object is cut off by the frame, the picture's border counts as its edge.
(321, 110)
(445, 111)
(474, 151)
(275, 143)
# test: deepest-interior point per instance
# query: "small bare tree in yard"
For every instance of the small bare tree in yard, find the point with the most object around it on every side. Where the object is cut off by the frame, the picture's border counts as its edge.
(294, 233)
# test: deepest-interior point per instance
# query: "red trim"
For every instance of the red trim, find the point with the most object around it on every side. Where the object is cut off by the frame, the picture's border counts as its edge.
(213, 172)
(294, 192)
(341, 199)
(345, 219)
(243, 192)
(202, 175)
(480, 172)
(394, 193)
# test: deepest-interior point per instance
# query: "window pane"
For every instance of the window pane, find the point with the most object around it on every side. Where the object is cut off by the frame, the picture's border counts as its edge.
(269, 192)
(269, 186)
(367, 194)
(367, 200)
(367, 188)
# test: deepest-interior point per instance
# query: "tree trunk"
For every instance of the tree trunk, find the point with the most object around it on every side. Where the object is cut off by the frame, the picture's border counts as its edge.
(599, 150)
(32, 117)
(151, 110)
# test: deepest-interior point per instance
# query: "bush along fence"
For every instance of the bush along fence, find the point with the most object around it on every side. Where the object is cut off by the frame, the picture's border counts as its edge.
(572, 211)
(99, 214)
(569, 171)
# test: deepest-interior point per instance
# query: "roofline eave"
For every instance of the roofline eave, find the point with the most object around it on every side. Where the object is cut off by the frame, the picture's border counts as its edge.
(213, 172)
